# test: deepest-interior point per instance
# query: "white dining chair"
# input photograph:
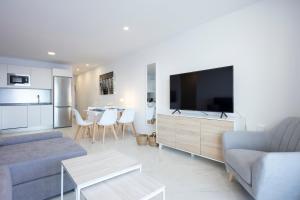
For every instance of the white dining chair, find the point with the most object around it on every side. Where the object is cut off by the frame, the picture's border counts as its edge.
(83, 125)
(127, 119)
(108, 119)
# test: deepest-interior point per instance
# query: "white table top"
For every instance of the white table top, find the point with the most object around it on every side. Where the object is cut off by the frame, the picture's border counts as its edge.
(94, 168)
(131, 186)
(102, 109)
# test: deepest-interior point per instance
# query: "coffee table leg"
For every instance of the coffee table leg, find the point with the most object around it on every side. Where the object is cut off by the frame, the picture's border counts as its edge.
(62, 183)
(77, 193)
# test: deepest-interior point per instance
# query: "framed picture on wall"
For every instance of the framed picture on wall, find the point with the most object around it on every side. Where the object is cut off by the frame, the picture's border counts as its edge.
(106, 82)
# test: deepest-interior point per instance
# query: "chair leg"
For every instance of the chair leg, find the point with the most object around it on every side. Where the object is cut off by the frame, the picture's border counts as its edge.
(103, 135)
(118, 128)
(133, 129)
(123, 129)
(81, 132)
(230, 177)
(90, 133)
(114, 132)
(93, 133)
(99, 134)
(77, 132)
(86, 129)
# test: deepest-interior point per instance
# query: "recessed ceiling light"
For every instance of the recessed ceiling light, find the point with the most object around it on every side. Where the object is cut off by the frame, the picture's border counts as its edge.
(77, 69)
(87, 65)
(51, 53)
(126, 28)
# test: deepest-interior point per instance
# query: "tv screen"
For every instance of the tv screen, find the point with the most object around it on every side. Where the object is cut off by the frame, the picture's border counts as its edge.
(208, 90)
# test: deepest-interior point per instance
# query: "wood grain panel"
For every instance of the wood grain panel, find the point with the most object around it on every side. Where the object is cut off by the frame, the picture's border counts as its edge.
(188, 135)
(166, 130)
(211, 137)
(211, 152)
(199, 136)
(131, 186)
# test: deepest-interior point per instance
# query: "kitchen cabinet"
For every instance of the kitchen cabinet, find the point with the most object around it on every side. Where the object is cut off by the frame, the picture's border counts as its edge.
(14, 117)
(34, 116)
(47, 115)
(62, 72)
(40, 116)
(41, 78)
(18, 70)
(3, 75)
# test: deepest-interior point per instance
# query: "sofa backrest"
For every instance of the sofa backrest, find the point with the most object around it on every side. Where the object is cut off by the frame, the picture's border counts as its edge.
(24, 138)
(285, 137)
(5, 184)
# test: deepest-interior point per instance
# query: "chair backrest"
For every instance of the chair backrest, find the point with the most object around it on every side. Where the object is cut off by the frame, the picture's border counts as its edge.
(127, 116)
(109, 117)
(92, 116)
(285, 137)
(78, 117)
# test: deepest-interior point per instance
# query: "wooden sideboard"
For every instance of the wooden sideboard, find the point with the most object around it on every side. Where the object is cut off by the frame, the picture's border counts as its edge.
(196, 135)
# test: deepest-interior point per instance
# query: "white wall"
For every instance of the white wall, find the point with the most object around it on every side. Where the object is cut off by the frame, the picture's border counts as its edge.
(261, 41)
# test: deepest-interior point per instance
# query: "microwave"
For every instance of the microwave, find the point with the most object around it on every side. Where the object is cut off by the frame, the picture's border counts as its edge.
(17, 79)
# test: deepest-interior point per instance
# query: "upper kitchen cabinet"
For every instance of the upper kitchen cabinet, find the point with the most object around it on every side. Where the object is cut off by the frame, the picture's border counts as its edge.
(41, 78)
(3, 75)
(14, 69)
(66, 72)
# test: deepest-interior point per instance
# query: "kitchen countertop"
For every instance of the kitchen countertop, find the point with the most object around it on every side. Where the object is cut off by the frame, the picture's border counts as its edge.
(23, 104)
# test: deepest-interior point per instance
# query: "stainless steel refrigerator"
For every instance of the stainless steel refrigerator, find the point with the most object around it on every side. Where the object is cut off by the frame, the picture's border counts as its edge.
(62, 99)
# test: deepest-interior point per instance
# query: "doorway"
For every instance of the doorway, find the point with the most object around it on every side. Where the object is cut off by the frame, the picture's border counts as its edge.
(151, 96)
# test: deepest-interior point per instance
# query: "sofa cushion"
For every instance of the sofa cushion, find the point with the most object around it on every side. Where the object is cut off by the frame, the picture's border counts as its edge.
(241, 161)
(33, 160)
(5, 184)
(17, 139)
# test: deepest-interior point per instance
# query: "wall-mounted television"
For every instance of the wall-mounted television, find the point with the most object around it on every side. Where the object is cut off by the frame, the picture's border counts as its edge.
(207, 90)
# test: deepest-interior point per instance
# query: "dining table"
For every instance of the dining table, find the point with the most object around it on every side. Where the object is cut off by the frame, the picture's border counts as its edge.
(94, 114)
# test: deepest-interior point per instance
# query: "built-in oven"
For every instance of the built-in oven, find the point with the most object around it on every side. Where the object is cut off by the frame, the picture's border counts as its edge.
(17, 79)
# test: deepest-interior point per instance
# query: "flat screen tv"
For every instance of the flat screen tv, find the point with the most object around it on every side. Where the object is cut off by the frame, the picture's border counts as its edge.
(207, 90)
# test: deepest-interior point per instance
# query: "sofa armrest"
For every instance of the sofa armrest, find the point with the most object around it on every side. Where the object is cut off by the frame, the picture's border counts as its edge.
(5, 184)
(277, 175)
(245, 140)
(9, 140)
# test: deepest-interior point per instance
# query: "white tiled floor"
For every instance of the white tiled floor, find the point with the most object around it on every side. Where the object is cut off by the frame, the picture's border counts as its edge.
(185, 177)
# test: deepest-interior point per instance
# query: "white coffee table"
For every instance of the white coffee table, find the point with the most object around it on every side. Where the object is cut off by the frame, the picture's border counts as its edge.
(95, 168)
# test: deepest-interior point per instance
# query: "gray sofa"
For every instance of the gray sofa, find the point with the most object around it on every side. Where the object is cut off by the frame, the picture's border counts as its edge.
(267, 164)
(30, 165)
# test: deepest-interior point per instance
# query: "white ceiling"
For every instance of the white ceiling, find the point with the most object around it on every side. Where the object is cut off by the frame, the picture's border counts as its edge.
(91, 31)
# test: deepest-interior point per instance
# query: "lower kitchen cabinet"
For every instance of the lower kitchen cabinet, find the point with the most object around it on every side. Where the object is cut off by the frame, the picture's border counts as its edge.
(14, 117)
(31, 116)
(34, 116)
(47, 115)
(40, 116)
